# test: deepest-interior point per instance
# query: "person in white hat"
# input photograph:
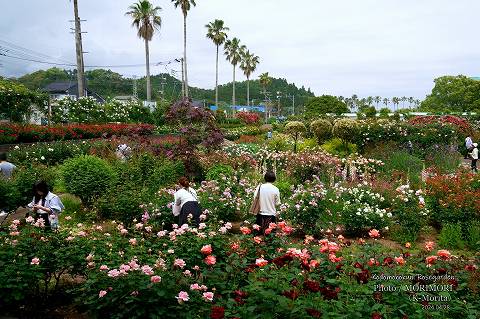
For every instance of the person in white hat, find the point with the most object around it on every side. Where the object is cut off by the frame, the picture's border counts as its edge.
(474, 155)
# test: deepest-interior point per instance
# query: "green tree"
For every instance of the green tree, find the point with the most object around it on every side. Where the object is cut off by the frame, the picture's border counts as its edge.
(185, 5)
(453, 93)
(217, 32)
(322, 129)
(295, 129)
(249, 65)
(41, 78)
(324, 104)
(234, 51)
(147, 21)
(16, 101)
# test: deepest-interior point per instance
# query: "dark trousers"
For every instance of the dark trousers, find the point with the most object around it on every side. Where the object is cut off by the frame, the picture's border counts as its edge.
(187, 209)
(474, 165)
(263, 221)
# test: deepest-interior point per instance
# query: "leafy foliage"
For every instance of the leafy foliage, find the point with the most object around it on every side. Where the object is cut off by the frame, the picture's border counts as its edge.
(453, 93)
(87, 177)
(16, 101)
(318, 106)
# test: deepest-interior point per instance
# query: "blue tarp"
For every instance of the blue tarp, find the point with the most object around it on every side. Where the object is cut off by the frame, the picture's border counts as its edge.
(245, 108)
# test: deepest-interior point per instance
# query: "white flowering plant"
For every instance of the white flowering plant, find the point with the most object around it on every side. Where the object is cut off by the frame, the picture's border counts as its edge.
(363, 208)
(410, 213)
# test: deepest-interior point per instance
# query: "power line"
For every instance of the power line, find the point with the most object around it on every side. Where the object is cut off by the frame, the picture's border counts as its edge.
(86, 66)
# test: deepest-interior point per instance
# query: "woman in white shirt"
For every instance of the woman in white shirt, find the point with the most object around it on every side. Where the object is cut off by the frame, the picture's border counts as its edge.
(46, 205)
(186, 197)
(269, 200)
(474, 156)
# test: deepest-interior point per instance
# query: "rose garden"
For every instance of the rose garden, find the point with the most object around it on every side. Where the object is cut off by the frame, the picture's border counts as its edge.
(379, 218)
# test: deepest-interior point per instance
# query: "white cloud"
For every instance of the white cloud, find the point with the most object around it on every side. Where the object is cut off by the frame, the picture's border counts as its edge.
(369, 47)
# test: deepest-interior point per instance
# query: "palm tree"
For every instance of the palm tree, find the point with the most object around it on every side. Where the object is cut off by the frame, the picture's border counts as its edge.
(378, 99)
(249, 65)
(147, 21)
(386, 101)
(403, 99)
(354, 101)
(411, 100)
(234, 52)
(185, 5)
(395, 101)
(217, 33)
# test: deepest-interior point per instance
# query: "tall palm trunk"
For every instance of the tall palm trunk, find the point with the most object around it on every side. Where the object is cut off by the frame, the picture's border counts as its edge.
(248, 91)
(147, 62)
(216, 81)
(185, 52)
(233, 95)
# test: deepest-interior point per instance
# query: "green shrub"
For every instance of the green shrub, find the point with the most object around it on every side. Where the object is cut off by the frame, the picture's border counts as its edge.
(280, 142)
(451, 236)
(165, 173)
(322, 129)
(444, 160)
(473, 235)
(307, 144)
(284, 186)
(363, 209)
(26, 177)
(346, 130)
(408, 209)
(10, 197)
(71, 202)
(215, 172)
(337, 147)
(400, 165)
(121, 203)
(87, 177)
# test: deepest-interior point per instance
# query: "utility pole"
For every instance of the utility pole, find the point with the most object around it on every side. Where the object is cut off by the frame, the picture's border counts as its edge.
(278, 106)
(163, 86)
(135, 92)
(78, 45)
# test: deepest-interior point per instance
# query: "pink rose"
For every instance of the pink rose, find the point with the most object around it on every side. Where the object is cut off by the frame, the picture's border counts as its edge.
(179, 263)
(102, 293)
(444, 254)
(35, 261)
(210, 260)
(429, 245)
(182, 297)
(374, 233)
(208, 296)
(155, 279)
(206, 250)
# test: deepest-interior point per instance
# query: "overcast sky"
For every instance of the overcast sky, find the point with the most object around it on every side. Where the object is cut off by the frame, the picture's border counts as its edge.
(342, 47)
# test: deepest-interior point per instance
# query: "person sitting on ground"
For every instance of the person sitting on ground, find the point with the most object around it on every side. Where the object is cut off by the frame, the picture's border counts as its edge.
(46, 205)
(186, 197)
(269, 198)
(6, 168)
(474, 156)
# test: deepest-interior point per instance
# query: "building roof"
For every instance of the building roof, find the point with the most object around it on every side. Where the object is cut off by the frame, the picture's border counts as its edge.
(59, 86)
(70, 88)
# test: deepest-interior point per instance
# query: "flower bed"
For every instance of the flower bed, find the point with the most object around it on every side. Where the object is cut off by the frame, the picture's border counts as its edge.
(14, 133)
(147, 271)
